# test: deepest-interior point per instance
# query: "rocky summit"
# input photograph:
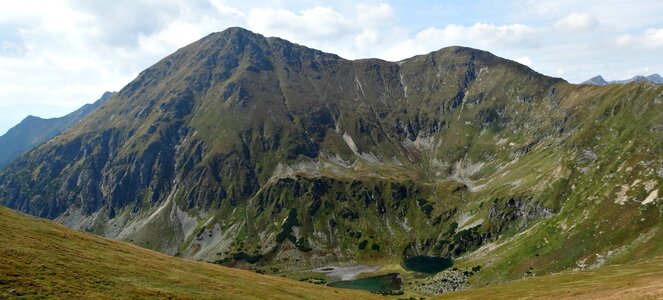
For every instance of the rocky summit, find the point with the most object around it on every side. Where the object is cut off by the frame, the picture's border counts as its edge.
(253, 151)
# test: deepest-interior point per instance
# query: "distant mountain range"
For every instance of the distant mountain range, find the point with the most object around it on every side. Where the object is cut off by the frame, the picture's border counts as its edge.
(33, 131)
(598, 80)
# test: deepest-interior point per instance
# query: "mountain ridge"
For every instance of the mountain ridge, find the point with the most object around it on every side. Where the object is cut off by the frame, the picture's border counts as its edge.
(33, 130)
(598, 80)
(248, 150)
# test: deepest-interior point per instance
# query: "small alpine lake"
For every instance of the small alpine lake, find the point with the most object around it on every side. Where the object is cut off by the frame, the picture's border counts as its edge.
(382, 283)
(427, 264)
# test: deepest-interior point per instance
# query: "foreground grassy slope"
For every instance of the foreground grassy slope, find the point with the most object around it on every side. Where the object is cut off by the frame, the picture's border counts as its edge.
(636, 281)
(41, 258)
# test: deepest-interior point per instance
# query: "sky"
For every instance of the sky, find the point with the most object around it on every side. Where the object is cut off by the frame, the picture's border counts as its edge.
(57, 55)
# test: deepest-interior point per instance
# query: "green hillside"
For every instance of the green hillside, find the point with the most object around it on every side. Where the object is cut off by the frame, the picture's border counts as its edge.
(630, 281)
(42, 259)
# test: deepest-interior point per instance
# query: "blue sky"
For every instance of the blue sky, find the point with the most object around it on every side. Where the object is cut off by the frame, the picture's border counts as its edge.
(57, 55)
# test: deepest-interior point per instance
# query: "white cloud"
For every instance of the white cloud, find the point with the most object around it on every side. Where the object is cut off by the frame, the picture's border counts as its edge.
(318, 23)
(650, 39)
(375, 15)
(576, 21)
(367, 38)
(67, 53)
(482, 34)
(525, 60)
(479, 35)
(617, 15)
(352, 33)
(225, 9)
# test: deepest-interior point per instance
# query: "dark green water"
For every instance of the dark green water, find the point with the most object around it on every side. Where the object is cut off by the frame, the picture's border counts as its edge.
(427, 264)
(389, 282)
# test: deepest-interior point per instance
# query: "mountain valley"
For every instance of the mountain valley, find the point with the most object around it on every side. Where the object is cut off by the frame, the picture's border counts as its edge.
(261, 154)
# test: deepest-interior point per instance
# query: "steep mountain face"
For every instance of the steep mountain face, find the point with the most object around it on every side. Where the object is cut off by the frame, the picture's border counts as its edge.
(244, 149)
(33, 131)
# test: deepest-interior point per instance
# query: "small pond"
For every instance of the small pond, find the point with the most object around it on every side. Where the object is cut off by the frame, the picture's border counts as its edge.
(427, 264)
(389, 282)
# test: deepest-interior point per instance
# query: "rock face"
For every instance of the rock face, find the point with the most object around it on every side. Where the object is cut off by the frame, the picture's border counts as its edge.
(243, 149)
(33, 131)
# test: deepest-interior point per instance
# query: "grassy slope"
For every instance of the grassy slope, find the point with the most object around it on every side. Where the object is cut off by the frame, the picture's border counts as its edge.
(589, 223)
(41, 258)
(637, 281)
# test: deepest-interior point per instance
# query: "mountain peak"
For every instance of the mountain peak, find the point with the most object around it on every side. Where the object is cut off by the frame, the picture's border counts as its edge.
(235, 37)
(32, 117)
(596, 80)
(233, 33)
(655, 78)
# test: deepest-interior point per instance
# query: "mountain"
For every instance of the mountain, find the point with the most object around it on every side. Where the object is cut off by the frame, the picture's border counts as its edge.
(598, 80)
(33, 131)
(655, 78)
(257, 152)
(86, 267)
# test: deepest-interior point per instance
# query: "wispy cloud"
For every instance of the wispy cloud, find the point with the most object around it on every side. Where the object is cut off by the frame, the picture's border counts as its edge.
(650, 39)
(577, 21)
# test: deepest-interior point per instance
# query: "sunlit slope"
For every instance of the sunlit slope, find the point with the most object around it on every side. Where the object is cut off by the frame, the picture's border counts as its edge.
(637, 281)
(41, 258)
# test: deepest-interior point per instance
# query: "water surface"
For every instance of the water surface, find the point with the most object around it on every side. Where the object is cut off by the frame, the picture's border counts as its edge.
(427, 264)
(388, 282)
